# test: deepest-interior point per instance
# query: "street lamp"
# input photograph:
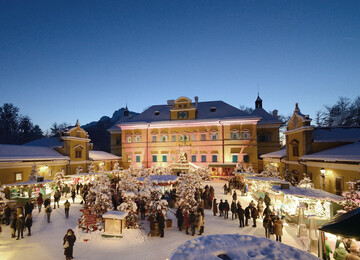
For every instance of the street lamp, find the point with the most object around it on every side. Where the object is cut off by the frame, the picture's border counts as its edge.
(322, 170)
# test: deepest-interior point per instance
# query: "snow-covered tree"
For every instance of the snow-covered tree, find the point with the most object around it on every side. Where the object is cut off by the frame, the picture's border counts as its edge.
(79, 169)
(270, 171)
(33, 174)
(59, 178)
(155, 202)
(130, 207)
(116, 166)
(305, 182)
(99, 197)
(352, 197)
(187, 185)
(91, 167)
(289, 178)
(249, 168)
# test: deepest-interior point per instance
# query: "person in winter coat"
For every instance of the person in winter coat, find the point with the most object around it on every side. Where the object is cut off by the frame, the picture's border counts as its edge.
(340, 252)
(28, 223)
(260, 208)
(28, 208)
(215, 209)
(254, 215)
(73, 195)
(161, 220)
(240, 211)
(48, 211)
(278, 227)
(20, 226)
(226, 209)
(67, 208)
(47, 202)
(180, 218)
(327, 250)
(353, 255)
(13, 225)
(233, 210)
(221, 208)
(57, 196)
(267, 224)
(7, 213)
(142, 209)
(225, 189)
(187, 221)
(40, 201)
(247, 215)
(201, 222)
(193, 222)
(68, 244)
(234, 196)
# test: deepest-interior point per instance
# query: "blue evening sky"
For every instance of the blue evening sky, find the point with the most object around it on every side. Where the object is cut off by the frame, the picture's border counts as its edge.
(67, 60)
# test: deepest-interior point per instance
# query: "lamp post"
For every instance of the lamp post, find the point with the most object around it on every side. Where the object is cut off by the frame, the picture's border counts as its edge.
(322, 171)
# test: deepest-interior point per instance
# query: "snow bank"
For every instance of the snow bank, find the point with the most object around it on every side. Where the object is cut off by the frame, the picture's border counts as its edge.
(115, 214)
(238, 247)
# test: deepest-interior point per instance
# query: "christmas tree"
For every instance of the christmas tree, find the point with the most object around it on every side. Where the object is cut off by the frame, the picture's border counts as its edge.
(270, 171)
(59, 178)
(352, 197)
(91, 168)
(99, 197)
(33, 174)
(155, 202)
(289, 178)
(305, 182)
(187, 185)
(130, 207)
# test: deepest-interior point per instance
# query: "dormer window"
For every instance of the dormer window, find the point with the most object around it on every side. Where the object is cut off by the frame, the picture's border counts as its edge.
(245, 134)
(156, 113)
(234, 135)
(213, 109)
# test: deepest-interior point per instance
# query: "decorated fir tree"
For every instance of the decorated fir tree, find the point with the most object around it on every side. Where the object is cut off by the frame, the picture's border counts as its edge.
(99, 197)
(59, 178)
(187, 185)
(305, 182)
(130, 207)
(270, 171)
(155, 202)
(352, 197)
(79, 169)
(91, 168)
(33, 174)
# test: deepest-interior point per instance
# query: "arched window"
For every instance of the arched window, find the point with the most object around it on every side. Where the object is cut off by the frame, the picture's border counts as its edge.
(295, 147)
(234, 135)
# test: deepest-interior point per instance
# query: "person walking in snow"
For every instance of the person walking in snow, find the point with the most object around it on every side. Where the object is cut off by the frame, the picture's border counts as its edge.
(73, 195)
(215, 208)
(247, 215)
(260, 208)
(40, 201)
(221, 208)
(254, 215)
(233, 210)
(7, 213)
(267, 224)
(68, 244)
(20, 226)
(48, 211)
(240, 211)
(225, 189)
(234, 195)
(201, 222)
(28, 208)
(226, 209)
(28, 223)
(180, 218)
(47, 202)
(13, 225)
(278, 227)
(193, 222)
(340, 252)
(187, 221)
(67, 208)
(57, 196)
(161, 220)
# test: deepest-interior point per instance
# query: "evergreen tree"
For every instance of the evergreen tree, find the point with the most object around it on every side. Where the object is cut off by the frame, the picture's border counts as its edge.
(352, 197)
(99, 197)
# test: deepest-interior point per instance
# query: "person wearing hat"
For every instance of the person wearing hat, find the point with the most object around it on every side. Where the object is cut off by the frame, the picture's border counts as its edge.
(353, 255)
(20, 226)
(340, 252)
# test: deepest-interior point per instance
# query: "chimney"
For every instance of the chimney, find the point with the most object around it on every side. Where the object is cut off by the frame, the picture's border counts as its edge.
(126, 111)
(170, 102)
(275, 113)
(196, 101)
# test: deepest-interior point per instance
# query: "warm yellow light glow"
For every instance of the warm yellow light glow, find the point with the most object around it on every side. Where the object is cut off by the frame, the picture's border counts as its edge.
(322, 170)
(44, 168)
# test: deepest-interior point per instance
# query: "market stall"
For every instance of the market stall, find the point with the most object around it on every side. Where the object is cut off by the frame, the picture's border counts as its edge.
(259, 186)
(166, 182)
(316, 203)
(28, 190)
(83, 178)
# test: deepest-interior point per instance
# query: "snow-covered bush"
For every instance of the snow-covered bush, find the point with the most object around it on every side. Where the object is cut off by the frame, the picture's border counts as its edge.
(91, 168)
(270, 171)
(187, 185)
(352, 197)
(130, 207)
(305, 182)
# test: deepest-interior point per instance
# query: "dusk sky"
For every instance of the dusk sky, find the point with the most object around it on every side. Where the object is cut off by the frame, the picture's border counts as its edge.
(67, 60)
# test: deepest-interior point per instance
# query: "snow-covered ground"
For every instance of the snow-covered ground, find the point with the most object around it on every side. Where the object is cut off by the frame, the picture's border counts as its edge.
(46, 239)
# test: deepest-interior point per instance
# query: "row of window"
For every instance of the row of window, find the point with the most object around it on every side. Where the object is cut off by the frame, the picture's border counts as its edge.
(203, 158)
(186, 138)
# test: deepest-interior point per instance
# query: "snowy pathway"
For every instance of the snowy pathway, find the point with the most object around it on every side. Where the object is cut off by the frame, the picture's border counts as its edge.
(46, 240)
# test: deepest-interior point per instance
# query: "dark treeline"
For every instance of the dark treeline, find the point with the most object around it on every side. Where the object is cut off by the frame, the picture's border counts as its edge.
(16, 128)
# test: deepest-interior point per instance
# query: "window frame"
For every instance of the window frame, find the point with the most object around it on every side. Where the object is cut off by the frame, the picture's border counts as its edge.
(203, 158)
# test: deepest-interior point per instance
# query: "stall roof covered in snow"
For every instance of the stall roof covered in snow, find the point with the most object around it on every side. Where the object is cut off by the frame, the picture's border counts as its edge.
(115, 214)
(27, 183)
(344, 153)
(160, 178)
(278, 154)
(102, 156)
(81, 174)
(309, 193)
(236, 246)
(267, 179)
(337, 134)
(10, 152)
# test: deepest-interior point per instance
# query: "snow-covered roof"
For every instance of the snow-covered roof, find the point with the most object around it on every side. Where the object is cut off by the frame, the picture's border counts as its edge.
(337, 134)
(102, 156)
(278, 154)
(237, 247)
(29, 153)
(160, 178)
(308, 192)
(27, 183)
(344, 153)
(46, 142)
(267, 179)
(81, 174)
(266, 118)
(115, 214)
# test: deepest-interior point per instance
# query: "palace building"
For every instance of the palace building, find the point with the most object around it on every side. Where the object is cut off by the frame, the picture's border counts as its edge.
(210, 134)
(329, 155)
(70, 151)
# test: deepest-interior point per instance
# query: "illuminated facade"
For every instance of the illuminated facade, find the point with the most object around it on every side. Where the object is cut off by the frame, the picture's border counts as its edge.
(329, 155)
(213, 134)
(67, 152)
